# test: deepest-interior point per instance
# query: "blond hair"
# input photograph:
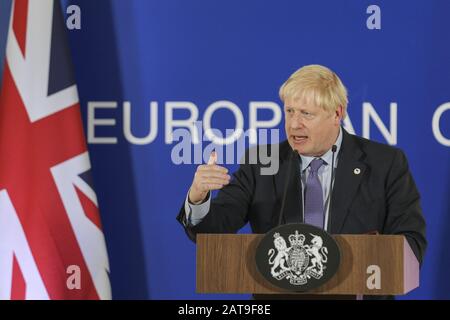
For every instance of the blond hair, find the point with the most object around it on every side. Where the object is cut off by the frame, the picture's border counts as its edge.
(317, 85)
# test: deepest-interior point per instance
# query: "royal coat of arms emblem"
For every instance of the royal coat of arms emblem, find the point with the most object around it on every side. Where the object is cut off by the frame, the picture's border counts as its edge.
(300, 261)
(297, 257)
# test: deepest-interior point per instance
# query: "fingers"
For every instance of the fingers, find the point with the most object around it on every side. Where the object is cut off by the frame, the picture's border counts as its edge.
(208, 176)
(212, 168)
(212, 164)
(212, 158)
(212, 172)
(212, 186)
(218, 180)
(213, 176)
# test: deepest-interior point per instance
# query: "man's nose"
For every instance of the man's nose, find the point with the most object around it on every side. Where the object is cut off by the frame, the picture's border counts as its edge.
(296, 123)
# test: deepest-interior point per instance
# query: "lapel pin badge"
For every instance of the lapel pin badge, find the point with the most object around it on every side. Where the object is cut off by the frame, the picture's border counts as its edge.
(357, 171)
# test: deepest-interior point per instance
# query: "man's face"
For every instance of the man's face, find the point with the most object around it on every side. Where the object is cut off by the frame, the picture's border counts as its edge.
(311, 130)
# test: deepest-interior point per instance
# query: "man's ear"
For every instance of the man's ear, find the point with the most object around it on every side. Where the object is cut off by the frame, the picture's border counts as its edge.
(339, 113)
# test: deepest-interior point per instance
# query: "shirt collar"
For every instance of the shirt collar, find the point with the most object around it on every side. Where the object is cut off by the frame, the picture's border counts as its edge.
(327, 157)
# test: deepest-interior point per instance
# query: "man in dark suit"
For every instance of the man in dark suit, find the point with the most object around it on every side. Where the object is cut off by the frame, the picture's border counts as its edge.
(373, 189)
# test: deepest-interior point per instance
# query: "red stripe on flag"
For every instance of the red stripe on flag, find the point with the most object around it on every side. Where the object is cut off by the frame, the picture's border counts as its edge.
(18, 282)
(89, 208)
(19, 24)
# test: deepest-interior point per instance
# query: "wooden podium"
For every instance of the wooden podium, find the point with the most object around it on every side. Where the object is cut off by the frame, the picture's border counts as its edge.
(226, 264)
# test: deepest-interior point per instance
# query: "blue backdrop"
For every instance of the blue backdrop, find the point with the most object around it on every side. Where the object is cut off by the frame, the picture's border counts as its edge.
(203, 51)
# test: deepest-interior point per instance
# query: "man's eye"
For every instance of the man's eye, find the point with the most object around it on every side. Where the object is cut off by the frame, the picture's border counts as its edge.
(306, 113)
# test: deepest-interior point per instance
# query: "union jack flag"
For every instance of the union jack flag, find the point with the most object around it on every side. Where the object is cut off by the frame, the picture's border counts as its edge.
(50, 229)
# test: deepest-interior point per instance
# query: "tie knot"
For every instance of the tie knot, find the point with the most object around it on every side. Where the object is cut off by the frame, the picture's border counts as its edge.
(316, 164)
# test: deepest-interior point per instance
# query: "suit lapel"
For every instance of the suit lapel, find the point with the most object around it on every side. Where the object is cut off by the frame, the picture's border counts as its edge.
(349, 173)
(293, 209)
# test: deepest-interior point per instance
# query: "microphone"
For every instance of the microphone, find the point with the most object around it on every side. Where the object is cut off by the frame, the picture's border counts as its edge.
(286, 185)
(333, 149)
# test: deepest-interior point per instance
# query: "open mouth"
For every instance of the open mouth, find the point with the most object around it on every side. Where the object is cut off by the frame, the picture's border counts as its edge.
(299, 139)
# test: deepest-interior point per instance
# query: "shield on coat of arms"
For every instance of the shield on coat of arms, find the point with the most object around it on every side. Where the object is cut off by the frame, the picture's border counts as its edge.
(297, 257)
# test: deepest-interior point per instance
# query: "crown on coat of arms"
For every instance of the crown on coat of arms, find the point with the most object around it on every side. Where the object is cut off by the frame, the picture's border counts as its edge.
(296, 239)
